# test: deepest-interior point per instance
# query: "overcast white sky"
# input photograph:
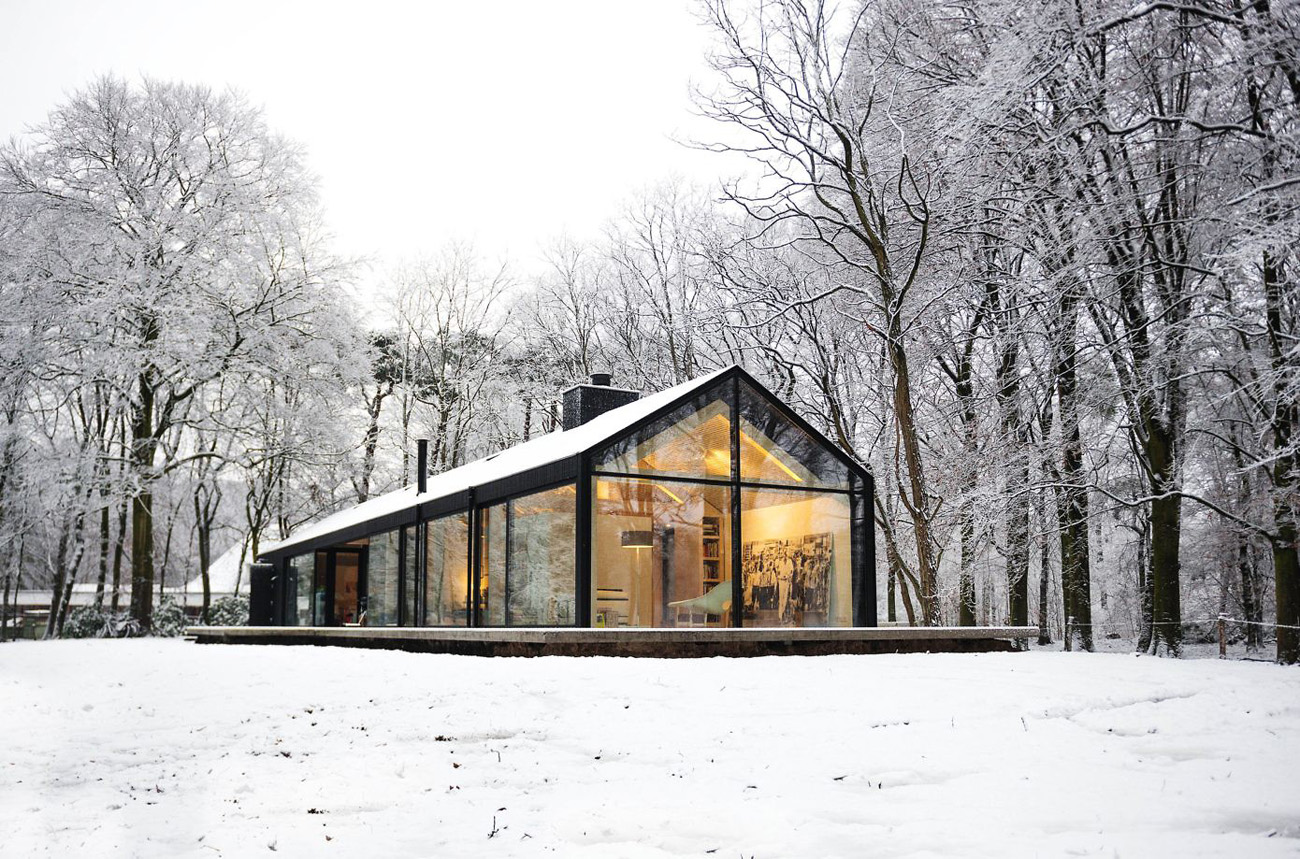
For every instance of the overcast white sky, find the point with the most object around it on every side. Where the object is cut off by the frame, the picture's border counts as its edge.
(504, 123)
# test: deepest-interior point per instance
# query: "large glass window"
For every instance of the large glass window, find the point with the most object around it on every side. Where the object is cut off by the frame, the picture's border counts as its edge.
(795, 558)
(693, 441)
(319, 590)
(446, 571)
(527, 569)
(661, 553)
(410, 546)
(300, 580)
(382, 571)
(774, 449)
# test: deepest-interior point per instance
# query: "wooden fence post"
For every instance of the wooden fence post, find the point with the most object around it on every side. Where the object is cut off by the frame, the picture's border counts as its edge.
(1223, 637)
(1069, 637)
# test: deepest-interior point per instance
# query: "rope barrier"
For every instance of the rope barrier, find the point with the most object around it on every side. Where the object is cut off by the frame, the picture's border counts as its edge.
(1213, 620)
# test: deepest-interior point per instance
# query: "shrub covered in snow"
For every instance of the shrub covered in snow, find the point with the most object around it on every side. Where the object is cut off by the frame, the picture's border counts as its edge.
(229, 611)
(169, 619)
(86, 622)
(98, 622)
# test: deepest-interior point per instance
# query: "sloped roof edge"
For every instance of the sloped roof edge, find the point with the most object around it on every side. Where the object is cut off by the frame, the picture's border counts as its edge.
(540, 451)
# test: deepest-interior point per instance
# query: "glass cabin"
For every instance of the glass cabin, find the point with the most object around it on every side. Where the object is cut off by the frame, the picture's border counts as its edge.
(711, 504)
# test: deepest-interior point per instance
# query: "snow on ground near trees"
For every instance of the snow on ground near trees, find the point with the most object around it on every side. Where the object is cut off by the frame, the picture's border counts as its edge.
(163, 748)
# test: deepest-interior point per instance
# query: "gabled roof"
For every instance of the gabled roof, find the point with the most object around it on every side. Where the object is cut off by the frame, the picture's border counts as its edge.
(553, 447)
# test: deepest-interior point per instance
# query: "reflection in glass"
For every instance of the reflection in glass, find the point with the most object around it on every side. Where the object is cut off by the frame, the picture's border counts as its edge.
(661, 553)
(773, 449)
(409, 547)
(300, 574)
(446, 573)
(693, 441)
(527, 568)
(318, 590)
(381, 580)
(795, 554)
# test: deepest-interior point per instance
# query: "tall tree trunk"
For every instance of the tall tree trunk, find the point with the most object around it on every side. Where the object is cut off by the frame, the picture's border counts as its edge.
(1250, 606)
(79, 551)
(142, 558)
(1146, 597)
(1044, 573)
(1072, 497)
(1015, 441)
(891, 598)
(4, 607)
(101, 582)
(374, 408)
(167, 554)
(1286, 482)
(204, 518)
(917, 497)
(1166, 528)
(119, 551)
(144, 446)
(60, 578)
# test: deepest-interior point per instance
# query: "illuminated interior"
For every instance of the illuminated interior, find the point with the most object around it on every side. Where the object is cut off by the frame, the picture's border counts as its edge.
(793, 542)
(723, 512)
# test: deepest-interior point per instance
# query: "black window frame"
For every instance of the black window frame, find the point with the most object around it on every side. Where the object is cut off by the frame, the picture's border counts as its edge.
(580, 471)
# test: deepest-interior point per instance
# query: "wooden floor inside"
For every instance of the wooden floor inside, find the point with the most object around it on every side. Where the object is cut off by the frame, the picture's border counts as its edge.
(654, 643)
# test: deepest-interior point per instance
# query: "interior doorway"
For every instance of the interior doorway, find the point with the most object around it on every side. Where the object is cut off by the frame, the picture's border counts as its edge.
(344, 582)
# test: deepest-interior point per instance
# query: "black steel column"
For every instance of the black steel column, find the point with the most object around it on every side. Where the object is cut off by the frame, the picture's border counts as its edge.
(475, 561)
(869, 617)
(401, 576)
(421, 568)
(737, 587)
(509, 508)
(586, 509)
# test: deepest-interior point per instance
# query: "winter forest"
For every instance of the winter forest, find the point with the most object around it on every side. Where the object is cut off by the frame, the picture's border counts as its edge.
(1032, 263)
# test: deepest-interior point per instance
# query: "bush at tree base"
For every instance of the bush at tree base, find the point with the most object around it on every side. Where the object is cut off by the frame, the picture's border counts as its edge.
(229, 611)
(169, 619)
(98, 622)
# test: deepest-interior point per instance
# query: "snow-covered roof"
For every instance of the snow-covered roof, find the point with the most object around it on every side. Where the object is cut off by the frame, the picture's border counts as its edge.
(223, 575)
(543, 450)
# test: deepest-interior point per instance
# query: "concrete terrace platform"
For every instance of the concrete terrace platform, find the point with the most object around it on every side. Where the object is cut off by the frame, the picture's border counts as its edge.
(657, 643)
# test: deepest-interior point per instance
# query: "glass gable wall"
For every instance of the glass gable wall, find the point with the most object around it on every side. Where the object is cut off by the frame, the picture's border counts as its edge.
(724, 512)
(761, 535)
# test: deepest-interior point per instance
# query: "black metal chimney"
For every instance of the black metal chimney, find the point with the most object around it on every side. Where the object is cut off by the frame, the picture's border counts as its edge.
(421, 465)
(584, 402)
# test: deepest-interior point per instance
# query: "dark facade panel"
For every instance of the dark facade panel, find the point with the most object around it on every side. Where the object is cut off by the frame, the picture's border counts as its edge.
(453, 503)
(265, 605)
(542, 477)
(396, 519)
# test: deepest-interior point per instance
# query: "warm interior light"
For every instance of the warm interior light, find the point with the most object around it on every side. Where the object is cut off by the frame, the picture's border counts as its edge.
(638, 539)
(669, 493)
(779, 464)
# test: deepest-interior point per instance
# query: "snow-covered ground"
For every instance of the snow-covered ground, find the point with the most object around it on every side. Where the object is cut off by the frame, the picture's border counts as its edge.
(163, 748)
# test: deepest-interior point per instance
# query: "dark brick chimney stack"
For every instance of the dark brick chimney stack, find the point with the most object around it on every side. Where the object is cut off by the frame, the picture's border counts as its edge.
(586, 401)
